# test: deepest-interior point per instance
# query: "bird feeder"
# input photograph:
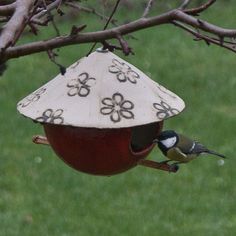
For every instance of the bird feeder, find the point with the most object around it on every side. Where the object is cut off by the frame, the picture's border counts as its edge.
(102, 116)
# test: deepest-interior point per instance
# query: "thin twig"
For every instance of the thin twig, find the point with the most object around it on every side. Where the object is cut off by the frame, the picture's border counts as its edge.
(55, 4)
(93, 11)
(184, 4)
(207, 39)
(77, 29)
(51, 17)
(147, 8)
(7, 10)
(225, 41)
(90, 10)
(124, 45)
(197, 10)
(52, 56)
(203, 25)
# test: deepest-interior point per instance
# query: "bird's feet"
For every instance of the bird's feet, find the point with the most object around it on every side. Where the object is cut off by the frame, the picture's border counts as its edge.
(174, 167)
(158, 165)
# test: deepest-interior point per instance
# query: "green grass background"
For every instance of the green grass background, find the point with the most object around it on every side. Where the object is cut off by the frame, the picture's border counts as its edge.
(40, 195)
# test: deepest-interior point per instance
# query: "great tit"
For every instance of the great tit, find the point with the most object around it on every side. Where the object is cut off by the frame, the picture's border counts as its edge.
(177, 147)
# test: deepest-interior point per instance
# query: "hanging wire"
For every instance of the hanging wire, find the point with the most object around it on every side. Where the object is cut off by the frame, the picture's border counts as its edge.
(106, 25)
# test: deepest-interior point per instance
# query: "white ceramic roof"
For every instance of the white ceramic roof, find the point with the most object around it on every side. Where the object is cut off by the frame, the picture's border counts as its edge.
(102, 91)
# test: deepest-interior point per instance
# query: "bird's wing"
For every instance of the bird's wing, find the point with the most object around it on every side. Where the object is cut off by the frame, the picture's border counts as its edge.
(189, 146)
(185, 144)
(177, 155)
(198, 148)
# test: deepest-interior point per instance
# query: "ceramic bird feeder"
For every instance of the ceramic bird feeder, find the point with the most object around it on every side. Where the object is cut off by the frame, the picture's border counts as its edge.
(102, 116)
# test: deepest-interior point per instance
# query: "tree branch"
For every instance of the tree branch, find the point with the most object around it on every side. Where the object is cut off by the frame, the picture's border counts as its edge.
(184, 4)
(51, 17)
(125, 46)
(7, 2)
(225, 44)
(179, 17)
(148, 8)
(16, 24)
(55, 4)
(7, 10)
(197, 10)
(89, 10)
(4, 19)
(98, 36)
(203, 25)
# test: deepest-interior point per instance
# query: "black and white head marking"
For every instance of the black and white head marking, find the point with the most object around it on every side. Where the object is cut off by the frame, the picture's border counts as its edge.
(169, 142)
(167, 139)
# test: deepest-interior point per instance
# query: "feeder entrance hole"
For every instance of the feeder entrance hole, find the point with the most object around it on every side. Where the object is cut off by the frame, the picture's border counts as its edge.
(142, 136)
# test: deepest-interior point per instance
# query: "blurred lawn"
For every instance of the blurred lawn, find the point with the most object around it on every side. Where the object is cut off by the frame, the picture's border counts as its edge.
(40, 195)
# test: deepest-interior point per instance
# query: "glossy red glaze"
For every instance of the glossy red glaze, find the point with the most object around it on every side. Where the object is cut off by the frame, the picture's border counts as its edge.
(97, 151)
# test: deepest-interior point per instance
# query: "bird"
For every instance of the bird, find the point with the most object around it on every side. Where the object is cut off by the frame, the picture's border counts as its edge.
(181, 149)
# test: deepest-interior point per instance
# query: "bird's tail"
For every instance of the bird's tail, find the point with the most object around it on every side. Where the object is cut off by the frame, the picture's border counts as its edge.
(215, 153)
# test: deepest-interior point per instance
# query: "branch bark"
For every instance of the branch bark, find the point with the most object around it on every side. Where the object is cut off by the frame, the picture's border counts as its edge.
(182, 18)
(16, 24)
(203, 25)
(7, 10)
(50, 7)
(184, 4)
(197, 10)
(98, 36)
(147, 8)
(79, 7)
(209, 40)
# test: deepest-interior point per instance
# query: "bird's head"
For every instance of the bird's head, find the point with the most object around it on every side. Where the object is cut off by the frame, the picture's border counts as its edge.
(167, 139)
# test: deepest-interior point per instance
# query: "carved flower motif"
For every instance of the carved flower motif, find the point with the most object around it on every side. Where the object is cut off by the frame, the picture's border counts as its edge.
(32, 97)
(164, 110)
(123, 72)
(80, 86)
(50, 116)
(117, 108)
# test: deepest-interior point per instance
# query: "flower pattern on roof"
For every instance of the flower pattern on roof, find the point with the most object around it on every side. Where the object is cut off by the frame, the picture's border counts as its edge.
(164, 110)
(80, 86)
(117, 108)
(50, 116)
(123, 72)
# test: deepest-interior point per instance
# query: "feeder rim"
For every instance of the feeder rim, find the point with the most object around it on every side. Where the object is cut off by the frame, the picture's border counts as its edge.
(93, 127)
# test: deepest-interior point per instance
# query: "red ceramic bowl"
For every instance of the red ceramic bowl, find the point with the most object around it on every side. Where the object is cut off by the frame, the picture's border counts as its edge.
(102, 151)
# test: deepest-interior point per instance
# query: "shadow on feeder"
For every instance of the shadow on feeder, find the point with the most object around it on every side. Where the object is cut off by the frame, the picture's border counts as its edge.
(102, 116)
